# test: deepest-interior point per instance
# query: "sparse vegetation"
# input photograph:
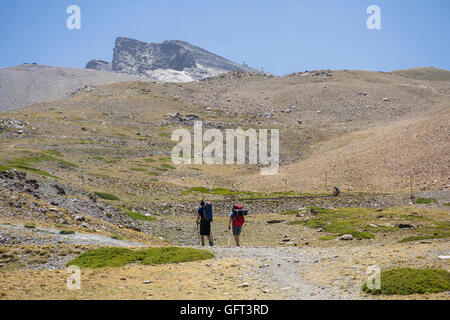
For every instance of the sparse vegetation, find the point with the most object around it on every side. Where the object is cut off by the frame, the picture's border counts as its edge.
(406, 281)
(119, 257)
(30, 225)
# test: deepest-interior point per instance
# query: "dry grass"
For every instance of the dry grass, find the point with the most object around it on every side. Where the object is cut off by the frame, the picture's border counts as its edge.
(193, 280)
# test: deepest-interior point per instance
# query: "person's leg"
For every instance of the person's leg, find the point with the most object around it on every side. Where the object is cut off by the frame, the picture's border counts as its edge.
(202, 237)
(236, 239)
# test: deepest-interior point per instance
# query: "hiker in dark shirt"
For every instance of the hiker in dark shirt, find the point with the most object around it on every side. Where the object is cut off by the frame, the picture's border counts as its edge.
(205, 225)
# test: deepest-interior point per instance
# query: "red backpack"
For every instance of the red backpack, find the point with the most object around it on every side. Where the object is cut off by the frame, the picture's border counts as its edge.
(238, 216)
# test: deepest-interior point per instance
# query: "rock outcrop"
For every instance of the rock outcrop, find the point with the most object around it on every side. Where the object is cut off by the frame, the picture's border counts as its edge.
(100, 65)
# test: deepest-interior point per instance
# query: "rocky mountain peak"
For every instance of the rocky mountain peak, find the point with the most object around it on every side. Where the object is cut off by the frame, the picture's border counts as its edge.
(171, 60)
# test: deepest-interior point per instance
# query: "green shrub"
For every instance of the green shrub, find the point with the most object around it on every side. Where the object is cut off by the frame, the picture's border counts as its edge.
(426, 200)
(405, 281)
(67, 232)
(116, 237)
(30, 225)
(107, 196)
(119, 257)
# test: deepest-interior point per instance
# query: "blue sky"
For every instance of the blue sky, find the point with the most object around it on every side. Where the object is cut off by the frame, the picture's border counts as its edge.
(283, 36)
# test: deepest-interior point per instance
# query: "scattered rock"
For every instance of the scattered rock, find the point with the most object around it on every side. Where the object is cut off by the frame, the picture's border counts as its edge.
(79, 218)
(275, 221)
(346, 237)
(12, 124)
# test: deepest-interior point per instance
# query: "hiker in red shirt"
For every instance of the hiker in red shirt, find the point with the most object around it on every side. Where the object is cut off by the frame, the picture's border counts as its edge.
(236, 222)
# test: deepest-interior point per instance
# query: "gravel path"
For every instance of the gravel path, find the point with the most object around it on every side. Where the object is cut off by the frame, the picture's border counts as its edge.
(279, 269)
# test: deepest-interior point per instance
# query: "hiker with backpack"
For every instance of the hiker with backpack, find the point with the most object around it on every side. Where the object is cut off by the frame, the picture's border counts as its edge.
(204, 218)
(336, 191)
(237, 222)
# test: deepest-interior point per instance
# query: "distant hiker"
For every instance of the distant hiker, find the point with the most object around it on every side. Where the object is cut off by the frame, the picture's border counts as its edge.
(204, 218)
(336, 191)
(237, 221)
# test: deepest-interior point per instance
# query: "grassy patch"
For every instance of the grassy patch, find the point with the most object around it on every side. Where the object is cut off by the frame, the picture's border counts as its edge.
(167, 166)
(139, 169)
(119, 257)
(26, 163)
(165, 134)
(327, 238)
(405, 281)
(426, 200)
(425, 237)
(30, 225)
(107, 196)
(339, 221)
(116, 237)
(54, 152)
(139, 216)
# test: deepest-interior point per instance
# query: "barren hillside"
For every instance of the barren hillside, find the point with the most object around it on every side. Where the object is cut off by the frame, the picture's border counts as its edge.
(366, 131)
